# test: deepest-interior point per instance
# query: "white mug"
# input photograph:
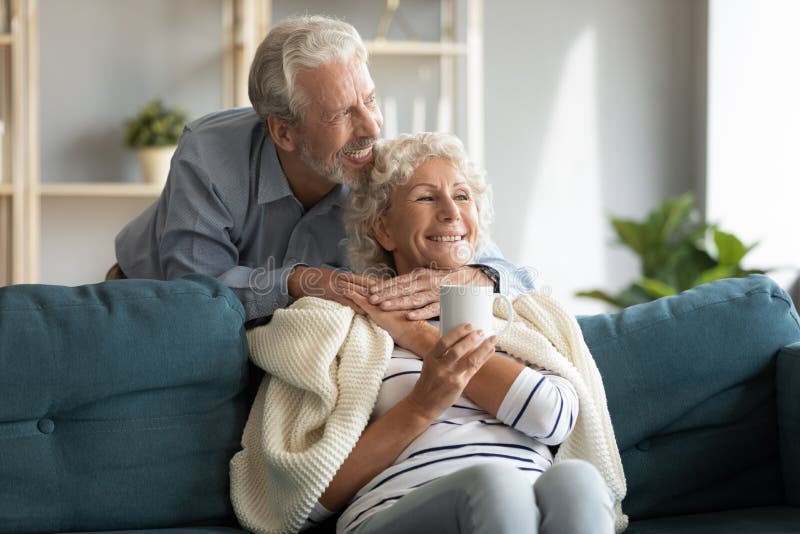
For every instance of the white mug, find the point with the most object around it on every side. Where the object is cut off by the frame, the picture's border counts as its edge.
(470, 304)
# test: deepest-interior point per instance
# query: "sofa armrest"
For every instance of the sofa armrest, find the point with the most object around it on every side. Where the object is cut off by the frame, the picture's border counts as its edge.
(788, 392)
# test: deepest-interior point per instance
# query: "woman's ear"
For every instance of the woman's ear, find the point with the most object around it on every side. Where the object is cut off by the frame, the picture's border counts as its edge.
(382, 234)
(283, 134)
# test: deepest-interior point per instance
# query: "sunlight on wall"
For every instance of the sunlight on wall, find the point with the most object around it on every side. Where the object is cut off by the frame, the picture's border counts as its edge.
(564, 218)
(754, 125)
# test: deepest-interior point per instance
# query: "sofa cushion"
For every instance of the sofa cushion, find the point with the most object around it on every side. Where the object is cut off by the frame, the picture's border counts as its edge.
(772, 519)
(788, 377)
(690, 382)
(121, 406)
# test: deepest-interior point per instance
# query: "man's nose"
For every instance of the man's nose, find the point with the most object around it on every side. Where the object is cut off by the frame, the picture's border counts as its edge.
(369, 123)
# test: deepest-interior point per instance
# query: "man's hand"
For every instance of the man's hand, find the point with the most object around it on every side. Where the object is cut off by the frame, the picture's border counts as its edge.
(328, 284)
(417, 293)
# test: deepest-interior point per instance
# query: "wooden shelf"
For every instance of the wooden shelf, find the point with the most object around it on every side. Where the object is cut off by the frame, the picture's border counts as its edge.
(6, 189)
(415, 48)
(101, 189)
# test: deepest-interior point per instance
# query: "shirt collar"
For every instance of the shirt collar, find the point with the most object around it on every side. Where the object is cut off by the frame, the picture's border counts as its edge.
(336, 197)
(273, 184)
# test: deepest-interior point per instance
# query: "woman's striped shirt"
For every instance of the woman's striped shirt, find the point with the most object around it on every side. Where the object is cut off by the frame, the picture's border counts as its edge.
(539, 410)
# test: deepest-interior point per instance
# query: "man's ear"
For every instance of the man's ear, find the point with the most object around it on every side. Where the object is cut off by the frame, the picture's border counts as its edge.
(382, 235)
(283, 134)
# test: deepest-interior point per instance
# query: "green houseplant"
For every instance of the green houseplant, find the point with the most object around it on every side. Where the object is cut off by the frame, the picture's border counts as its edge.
(154, 134)
(677, 251)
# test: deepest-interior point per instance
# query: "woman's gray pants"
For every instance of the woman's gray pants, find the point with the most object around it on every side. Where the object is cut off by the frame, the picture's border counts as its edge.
(570, 497)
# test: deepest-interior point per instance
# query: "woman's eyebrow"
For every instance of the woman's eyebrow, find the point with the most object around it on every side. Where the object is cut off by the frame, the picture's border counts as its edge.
(425, 184)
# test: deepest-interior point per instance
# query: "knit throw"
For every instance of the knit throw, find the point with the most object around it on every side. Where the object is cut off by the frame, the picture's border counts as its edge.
(324, 368)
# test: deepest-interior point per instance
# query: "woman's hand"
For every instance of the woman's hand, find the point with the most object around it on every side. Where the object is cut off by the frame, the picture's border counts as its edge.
(487, 386)
(448, 368)
(416, 336)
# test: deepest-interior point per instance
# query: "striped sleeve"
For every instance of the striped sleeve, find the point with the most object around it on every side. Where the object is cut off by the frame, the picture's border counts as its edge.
(318, 514)
(540, 405)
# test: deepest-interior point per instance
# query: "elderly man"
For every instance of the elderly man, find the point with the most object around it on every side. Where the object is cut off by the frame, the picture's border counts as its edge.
(254, 196)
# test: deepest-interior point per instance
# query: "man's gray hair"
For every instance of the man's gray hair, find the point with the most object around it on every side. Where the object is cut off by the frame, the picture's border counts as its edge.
(292, 45)
(395, 160)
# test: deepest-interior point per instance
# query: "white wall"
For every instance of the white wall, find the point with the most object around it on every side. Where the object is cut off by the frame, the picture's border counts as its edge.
(78, 236)
(754, 126)
(592, 107)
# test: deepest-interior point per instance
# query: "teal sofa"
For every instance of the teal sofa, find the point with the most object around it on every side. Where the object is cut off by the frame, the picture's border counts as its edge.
(121, 404)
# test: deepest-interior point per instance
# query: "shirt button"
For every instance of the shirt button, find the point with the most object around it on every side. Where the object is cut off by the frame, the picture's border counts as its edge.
(643, 445)
(46, 426)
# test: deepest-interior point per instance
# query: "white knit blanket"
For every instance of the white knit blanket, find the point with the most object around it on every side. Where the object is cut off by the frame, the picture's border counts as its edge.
(325, 365)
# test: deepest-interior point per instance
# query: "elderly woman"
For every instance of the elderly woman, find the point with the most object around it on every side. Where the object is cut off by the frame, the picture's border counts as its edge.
(460, 437)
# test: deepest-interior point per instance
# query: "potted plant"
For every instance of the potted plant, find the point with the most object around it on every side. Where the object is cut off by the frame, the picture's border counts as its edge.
(154, 134)
(677, 251)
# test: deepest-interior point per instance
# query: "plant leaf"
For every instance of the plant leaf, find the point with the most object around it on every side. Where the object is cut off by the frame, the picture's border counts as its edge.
(154, 125)
(717, 273)
(672, 230)
(677, 213)
(730, 249)
(656, 288)
(631, 233)
(674, 246)
(688, 262)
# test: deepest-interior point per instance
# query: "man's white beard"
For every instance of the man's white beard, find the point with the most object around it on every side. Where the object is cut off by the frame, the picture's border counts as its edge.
(333, 172)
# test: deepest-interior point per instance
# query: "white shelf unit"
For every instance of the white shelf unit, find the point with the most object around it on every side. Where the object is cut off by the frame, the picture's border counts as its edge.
(415, 48)
(18, 111)
(244, 23)
(100, 190)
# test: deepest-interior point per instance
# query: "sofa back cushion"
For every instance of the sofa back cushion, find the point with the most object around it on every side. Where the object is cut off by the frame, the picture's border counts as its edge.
(690, 382)
(788, 377)
(121, 404)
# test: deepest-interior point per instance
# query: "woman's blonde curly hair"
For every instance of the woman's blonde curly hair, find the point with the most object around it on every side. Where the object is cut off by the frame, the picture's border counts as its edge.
(395, 160)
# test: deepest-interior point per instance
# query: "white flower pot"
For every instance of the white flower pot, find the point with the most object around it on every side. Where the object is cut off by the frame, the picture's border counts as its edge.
(155, 161)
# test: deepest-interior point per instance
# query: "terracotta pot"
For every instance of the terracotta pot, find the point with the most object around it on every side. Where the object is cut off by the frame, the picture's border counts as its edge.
(155, 161)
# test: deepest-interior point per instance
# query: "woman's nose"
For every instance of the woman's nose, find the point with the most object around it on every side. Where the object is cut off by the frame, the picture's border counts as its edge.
(448, 210)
